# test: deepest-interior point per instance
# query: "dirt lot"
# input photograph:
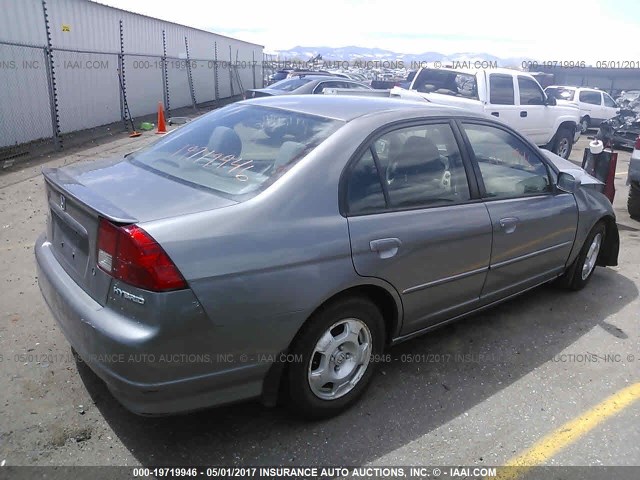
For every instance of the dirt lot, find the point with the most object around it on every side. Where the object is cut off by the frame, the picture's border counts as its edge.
(526, 374)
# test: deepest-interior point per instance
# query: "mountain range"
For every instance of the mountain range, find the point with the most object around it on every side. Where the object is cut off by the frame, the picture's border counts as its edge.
(360, 54)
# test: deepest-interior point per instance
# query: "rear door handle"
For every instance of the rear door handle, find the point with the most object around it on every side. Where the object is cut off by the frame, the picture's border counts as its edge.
(523, 114)
(495, 114)
(385, 247)
(509, 224)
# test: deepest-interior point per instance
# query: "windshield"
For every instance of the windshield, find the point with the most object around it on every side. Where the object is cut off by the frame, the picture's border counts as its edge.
(447, 82)
(290, 84)
(237, 150)
(561, 93)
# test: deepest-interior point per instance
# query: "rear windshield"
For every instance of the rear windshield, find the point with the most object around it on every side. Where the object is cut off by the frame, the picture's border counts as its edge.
(290, 84)
(238, 150)
(561, 93)
(446, 82)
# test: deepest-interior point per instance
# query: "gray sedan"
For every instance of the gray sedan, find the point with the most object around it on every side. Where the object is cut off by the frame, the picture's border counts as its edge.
(219, 264)
(305, 84)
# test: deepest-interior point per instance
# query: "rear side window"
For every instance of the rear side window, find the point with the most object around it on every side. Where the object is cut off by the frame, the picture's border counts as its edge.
(593, 98)
(446, 82)
(530, 92)
(501, 89)
(422, 167)
(236, 150)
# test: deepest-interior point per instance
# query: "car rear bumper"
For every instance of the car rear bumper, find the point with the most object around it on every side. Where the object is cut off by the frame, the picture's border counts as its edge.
(112, 346)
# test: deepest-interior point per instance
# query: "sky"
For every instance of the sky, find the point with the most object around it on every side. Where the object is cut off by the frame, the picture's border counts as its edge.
(544, 30)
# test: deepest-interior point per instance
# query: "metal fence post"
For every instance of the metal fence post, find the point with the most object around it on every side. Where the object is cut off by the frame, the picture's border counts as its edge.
(253, 68)
(122, 82)
(189, 74)
(51, 82)
(230, 75)
(215, 72)
(165, 75)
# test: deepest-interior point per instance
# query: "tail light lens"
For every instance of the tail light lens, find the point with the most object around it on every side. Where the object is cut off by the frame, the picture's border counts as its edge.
(130, 254)
(637, 145)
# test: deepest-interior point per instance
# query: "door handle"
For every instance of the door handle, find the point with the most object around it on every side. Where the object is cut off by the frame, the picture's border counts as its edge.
(495, 114)
(509, 224)
(385, 247)
(523, 114)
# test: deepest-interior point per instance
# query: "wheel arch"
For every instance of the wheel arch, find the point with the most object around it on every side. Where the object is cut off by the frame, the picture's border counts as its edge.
(383, 295)
(608, 255)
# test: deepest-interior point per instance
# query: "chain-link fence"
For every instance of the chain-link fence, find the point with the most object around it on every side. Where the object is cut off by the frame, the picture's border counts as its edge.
(25, 101)
(50, 93)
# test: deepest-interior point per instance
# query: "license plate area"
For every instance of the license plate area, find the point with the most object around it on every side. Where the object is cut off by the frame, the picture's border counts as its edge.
(71, 244)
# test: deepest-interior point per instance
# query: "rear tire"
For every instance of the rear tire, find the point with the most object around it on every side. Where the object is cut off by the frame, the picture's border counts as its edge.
(581, 270)
(633, 201)
(563, 143)
(337, 347)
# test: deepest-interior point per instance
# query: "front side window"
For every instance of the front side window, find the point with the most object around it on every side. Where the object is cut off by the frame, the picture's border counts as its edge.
(236, 150)
(530, 92)
(422, 166)
(501, 89)
(509, 167)
(609, 102)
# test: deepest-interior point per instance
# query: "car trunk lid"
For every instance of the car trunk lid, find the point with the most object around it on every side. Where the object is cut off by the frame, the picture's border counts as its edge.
(119, 191)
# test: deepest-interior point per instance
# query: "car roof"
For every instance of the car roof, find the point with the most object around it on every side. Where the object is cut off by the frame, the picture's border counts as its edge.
(347, 108)
(595, 89)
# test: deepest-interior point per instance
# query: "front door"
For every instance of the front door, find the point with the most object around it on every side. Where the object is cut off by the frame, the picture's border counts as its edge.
(533, 224)
(415, 222)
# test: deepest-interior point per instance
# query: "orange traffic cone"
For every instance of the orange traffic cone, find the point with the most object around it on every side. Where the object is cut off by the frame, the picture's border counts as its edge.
(162, 128)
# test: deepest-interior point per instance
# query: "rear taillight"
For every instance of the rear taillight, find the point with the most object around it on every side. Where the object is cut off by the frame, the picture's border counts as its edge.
(130, 254)
(637, 145)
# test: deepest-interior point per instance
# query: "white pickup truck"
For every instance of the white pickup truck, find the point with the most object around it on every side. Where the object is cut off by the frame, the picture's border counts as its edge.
(514, 97)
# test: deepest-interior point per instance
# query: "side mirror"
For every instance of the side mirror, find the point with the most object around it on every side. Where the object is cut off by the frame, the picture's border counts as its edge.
(551, 101)
(567, 182)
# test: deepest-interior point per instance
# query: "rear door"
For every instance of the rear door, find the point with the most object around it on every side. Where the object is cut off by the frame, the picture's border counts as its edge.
(533, 224)
(502, 99)
(415, 220)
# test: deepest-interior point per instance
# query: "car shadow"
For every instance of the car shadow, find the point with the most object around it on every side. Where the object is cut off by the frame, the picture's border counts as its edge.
(469, 361)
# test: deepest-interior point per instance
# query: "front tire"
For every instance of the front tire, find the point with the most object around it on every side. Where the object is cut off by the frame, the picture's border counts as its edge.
(336, 347)
(584, 124)
(581, 270)
(633, 201)
(563, 143)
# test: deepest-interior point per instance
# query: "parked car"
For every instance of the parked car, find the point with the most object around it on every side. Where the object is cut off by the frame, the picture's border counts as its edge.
(633, 180)
(595, 105)
(217, 265)
(302, 72)
(514, 97)
(303, 85)
(279, 75)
